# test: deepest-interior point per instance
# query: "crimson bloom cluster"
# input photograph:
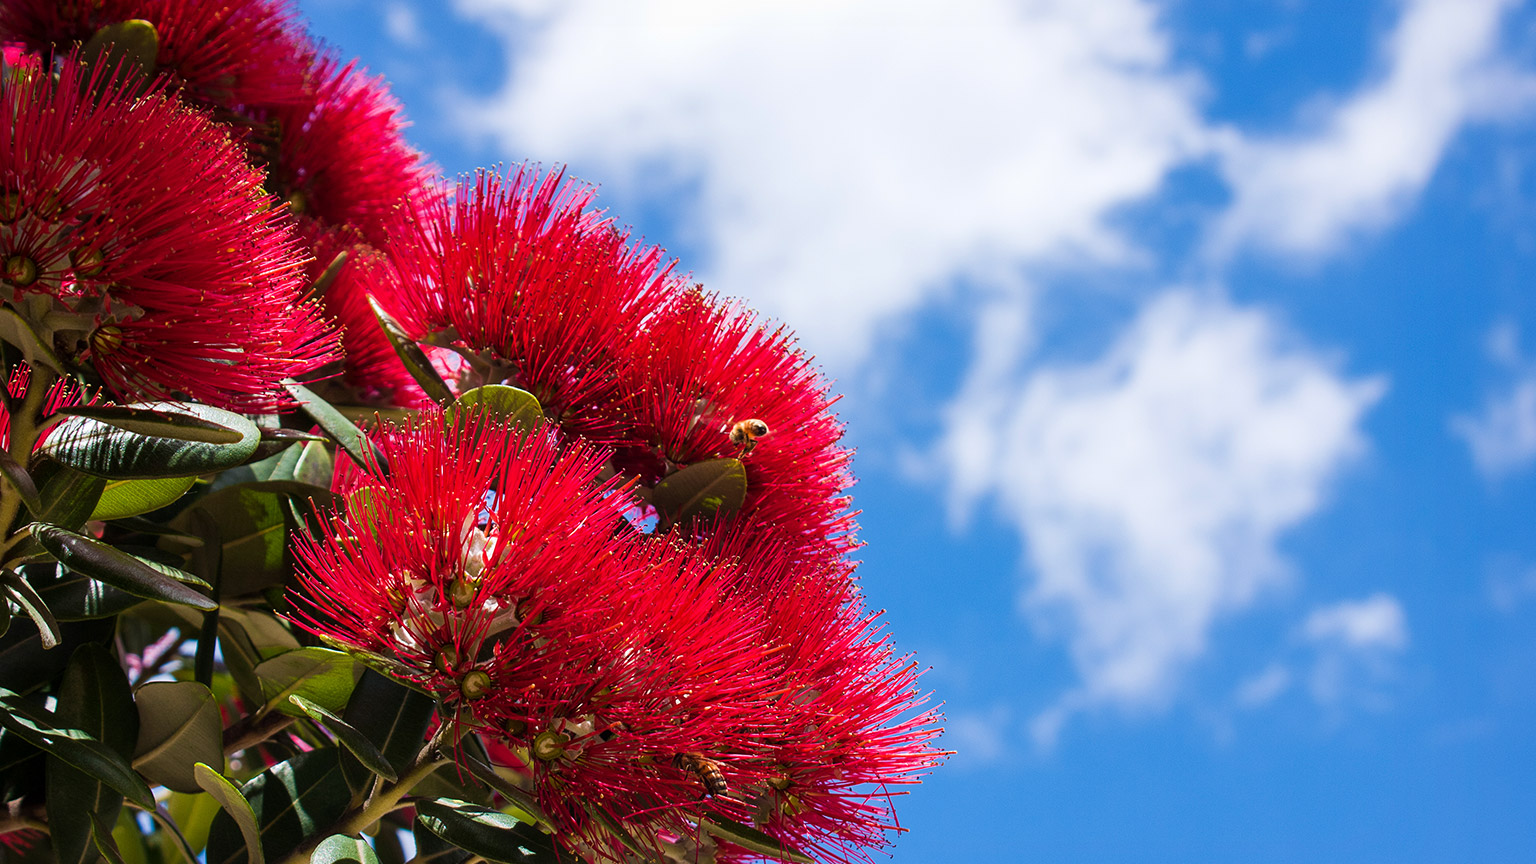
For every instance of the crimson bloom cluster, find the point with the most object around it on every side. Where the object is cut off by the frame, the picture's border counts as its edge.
(596, 513)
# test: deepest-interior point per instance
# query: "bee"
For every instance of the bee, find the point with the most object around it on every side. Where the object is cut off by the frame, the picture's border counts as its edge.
(746, 433)
(706, 769)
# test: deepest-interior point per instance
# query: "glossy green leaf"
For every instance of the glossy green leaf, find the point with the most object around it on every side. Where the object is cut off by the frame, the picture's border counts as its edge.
(393, 717)
(160, 439)
(491, 834)
(752, 840)
(292, 800)
(234, 804)
(93, 698)
(116, 568)
(17, 588)
(513, 406)
(352, 739)
(68, 497)
(341, 849)
(179, 726)
(321, 675)
(415, 360)
(342, 430)
(702, 490)
(432, 849)
(122, 498)
(73, 597)
(79, 749)
(158, 422)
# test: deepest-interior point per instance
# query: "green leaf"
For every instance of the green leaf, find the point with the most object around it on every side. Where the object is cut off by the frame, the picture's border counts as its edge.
(321, 675)
(179, 726)
(515, 407)
(337, 426)
(25, 664)
(17, 331)
(491, 834)
(19, 589)
(241, 657)
(121, 498)
(21, 481)
(125, 47)
(341, 849)
(702, 490)
(102, 839)
(356, 742)
(752, 839)
(79, 749)
(116, 568)
(69, 497)
(415, 360)
(235, 804)
(251, 527)
(292, 800)
(432, 849)
(73, 597)
(154, 439)
(316, 465)
(158, 422)
(93, 698)
(393, 717)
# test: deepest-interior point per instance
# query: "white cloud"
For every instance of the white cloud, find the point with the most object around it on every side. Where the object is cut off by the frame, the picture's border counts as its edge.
(1503, 437)
(854, 158)
(401, 25)
(1366, 158)
(1263, 688)
(979, 739)
(1356, 642)
(1375, 623)
(1152, 485)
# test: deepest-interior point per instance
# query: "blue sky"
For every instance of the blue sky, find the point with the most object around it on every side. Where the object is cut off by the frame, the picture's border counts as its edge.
(1188, 349)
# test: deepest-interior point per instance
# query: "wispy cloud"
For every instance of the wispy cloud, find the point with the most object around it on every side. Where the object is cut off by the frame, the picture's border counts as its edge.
(1356, 644)
(1363, 161)
(1151, 485)
(1502, 438)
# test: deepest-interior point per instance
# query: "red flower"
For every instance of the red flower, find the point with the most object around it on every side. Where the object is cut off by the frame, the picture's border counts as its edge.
(700, 376)
(339, 155)
(474, 530)
(137, 241)
(372, 373)
(231, 56)
(540, 290)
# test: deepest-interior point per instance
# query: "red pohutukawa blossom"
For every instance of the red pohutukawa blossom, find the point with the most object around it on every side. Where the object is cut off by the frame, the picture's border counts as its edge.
(138, 243)
(540, 290)
(234, 56)
(636, 681)
(708, 381)
(339, 155)
(372, 373)
(485, 568)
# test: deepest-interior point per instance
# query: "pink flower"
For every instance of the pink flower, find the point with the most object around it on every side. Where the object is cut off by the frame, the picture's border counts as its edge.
(140, 244)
